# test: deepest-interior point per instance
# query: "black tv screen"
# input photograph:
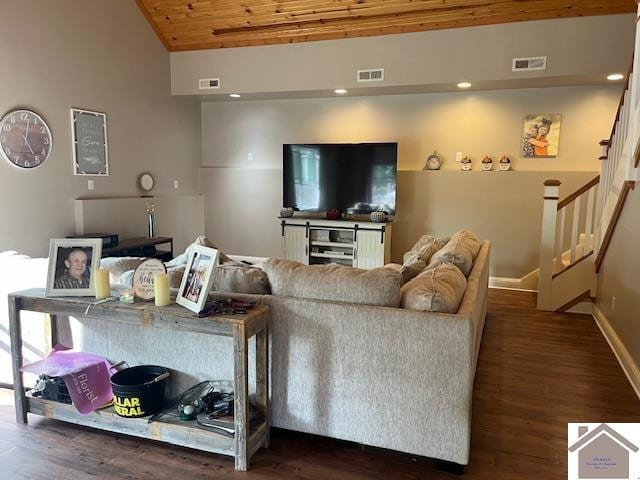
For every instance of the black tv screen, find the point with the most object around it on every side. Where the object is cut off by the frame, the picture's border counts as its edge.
(351, 177)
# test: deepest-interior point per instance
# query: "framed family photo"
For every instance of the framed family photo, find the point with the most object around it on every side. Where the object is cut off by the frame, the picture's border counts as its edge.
(72, 263)
(541, 137)
(89, 137)
(197, 278)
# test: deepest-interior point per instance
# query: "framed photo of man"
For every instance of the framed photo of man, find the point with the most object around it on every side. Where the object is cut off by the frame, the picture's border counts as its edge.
(197, 278)
(72, 263)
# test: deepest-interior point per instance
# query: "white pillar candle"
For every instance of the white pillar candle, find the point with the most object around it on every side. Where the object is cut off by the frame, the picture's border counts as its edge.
(162, 290)
(103, 287)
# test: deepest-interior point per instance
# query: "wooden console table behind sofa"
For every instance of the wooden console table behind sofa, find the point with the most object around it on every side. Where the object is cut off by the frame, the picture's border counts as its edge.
(240, 327)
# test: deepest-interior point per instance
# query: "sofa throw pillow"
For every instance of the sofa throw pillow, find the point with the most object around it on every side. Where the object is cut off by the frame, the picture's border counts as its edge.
(416, 259)
(119, 266)
(240, 278)
(339, 283)
(229, 278)
(439, 288)
(461, 250)
(202, 240)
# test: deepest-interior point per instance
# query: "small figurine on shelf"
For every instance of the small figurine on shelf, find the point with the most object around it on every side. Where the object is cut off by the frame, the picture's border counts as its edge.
(505, 163)
(286, 212)
(334, 214)
(465, 164)
(378, 216)
(433, 162)
(487, 163)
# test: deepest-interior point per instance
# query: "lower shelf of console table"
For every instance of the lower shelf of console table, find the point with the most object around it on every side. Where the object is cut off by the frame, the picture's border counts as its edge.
(173, 431)
(249, 437)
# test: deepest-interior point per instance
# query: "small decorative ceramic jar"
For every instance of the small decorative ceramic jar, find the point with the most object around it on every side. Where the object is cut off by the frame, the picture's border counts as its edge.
(465, 164)
(286, 212)
(505, 163)
(379, 216)
(487, 163)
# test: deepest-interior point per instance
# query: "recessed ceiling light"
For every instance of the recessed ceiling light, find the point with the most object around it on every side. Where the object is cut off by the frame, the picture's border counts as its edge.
(340, 91)
(464, 85)
(615, 76)
(234, 95)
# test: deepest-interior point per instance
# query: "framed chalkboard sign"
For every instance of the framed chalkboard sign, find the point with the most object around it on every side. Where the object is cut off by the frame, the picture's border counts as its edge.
(89, 136)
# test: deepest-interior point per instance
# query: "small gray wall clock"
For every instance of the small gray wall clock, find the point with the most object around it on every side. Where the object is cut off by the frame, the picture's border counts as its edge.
(25, 139)
(89, 136)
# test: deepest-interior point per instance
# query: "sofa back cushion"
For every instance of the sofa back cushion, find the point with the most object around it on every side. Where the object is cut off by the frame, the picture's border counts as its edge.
(339, 283)
(461, 250)
(416, 259)
(240, 278)
(439, 288)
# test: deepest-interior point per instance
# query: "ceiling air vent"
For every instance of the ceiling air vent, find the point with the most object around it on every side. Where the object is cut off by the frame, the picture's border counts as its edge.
(209, 83)
(372, 75)
(528, 64)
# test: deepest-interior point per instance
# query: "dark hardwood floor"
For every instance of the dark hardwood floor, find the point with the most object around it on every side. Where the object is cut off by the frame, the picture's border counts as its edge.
(537, 371)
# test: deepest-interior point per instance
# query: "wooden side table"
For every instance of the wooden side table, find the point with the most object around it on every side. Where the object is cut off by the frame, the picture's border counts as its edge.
(247, 439)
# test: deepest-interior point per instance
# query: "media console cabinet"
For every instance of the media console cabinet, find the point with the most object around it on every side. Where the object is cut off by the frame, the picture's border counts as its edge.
(352, 243)
(247, 439)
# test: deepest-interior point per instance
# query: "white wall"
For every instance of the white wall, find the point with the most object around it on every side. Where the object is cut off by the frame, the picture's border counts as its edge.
(618, 279)
(92, 54)
(577, 50)
(243, 198)
(477, 123)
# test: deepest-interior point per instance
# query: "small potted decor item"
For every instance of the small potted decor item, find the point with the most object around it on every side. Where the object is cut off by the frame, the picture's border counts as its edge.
(487, 163)
(334, 214)
(465, 164)
(505, 163)
(433, 162)
(379, 216)
(286, 212)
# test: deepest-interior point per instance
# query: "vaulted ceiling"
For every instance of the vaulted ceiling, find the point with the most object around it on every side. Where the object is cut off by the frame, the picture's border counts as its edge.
(204, 24)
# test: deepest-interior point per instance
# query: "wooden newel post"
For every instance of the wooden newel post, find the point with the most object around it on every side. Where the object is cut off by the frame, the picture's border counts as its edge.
(604, 144)
(547, 242)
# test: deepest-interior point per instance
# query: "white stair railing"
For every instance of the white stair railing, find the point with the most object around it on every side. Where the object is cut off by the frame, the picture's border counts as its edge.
(567, 239)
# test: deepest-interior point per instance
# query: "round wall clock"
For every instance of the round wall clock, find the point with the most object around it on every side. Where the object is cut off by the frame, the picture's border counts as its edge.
(433, 162)
(145, 181)
(25, 139)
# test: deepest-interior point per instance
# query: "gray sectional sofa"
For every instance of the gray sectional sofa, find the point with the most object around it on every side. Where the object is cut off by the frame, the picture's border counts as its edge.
(378, 375)
(382, 376)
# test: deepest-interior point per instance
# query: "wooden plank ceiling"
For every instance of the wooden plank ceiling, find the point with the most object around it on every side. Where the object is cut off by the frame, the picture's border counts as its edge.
(203, 24)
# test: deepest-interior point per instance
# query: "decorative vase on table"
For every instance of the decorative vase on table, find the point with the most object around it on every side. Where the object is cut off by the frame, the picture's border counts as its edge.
(465, 164)
(505, 163)
(151, 221)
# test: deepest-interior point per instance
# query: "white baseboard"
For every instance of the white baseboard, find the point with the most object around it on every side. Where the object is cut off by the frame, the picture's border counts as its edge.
(507, 283)
(585, 308)
(629, 367)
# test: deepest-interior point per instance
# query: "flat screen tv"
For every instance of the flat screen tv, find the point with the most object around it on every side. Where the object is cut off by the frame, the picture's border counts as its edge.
(351, 177)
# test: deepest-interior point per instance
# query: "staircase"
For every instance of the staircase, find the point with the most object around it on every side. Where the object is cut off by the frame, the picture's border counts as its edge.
(577, 230)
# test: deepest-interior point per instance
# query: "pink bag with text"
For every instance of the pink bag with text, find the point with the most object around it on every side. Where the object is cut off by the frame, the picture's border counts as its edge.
(85, 375)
